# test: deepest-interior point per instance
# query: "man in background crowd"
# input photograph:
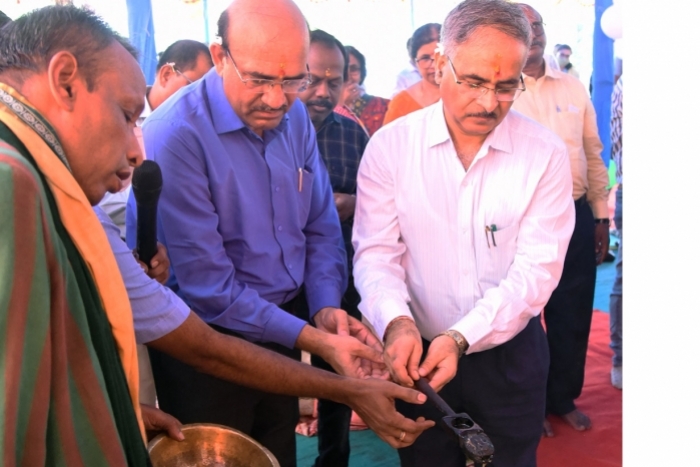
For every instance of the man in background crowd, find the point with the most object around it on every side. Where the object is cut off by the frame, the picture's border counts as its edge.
(341, 143)
(616, 293)
(182, 63)
(560, 102)
(563, 52)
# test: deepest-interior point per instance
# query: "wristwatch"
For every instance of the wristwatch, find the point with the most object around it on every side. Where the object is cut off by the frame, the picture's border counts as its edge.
(462, 343)
(602, 221)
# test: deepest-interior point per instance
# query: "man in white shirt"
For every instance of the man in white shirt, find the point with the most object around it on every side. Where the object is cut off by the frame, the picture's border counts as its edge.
(462, 221)
(560, 102)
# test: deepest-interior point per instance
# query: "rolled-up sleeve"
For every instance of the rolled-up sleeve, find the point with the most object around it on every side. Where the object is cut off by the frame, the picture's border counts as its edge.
(157, 310)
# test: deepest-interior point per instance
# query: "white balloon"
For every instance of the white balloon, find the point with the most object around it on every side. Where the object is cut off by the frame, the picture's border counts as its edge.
(611, 22)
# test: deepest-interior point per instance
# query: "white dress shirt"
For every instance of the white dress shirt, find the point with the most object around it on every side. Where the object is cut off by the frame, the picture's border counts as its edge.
(421, 248)
(560, 102)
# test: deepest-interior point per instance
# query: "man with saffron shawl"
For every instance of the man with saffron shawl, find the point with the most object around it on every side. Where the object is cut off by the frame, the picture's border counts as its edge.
(70, 93)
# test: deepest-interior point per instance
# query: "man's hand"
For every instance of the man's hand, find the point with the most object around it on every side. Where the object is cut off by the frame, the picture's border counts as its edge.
(347, 345)
(602, 241)
(156, 421)
(160, 264)
(373, 400)
(345, 204)
(403, 349)
(440, 364)
(370, 368)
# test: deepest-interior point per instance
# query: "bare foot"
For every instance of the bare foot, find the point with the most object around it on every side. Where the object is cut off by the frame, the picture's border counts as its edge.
(578, 420)
(547, 429)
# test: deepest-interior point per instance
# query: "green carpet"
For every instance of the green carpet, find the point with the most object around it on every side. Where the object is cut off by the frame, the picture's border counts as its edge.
(366, 450)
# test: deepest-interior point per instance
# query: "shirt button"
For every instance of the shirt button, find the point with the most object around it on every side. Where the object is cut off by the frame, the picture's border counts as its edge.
(277, 188)
(290, 266)
(279, 227)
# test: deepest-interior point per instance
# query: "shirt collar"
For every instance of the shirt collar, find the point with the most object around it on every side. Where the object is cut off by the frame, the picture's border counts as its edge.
(549, 71)
(147, 110)
(333, 117)
(223, 116)
(438, 133)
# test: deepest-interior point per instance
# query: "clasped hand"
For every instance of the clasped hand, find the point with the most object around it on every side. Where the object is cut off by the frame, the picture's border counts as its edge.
(403, 351)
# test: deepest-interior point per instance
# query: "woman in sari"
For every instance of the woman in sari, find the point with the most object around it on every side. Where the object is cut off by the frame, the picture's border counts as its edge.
(369, 109)
(426, 91)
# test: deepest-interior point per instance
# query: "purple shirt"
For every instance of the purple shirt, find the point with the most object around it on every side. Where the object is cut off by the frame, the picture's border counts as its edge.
(246, 220)
(157, 310)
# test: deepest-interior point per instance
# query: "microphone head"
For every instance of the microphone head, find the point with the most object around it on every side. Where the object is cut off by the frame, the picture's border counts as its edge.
(147, 182)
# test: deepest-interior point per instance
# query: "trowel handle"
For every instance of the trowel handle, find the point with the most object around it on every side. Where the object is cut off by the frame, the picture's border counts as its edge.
(423, 386)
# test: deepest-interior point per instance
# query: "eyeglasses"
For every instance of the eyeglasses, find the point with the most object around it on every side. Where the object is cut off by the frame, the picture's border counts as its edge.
(425, 60)
(537, 27)
(478, 90)
(289, 86)
(172, 65)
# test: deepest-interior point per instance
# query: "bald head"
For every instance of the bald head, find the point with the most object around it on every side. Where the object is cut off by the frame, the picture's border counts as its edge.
(266, 41)
(252, 24)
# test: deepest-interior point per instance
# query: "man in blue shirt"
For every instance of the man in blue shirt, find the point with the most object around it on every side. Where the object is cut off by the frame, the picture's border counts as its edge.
(164, 321)
(248, 217)
(341, 142)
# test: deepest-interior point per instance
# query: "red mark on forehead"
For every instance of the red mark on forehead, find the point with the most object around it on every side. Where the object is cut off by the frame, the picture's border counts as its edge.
(281, 72)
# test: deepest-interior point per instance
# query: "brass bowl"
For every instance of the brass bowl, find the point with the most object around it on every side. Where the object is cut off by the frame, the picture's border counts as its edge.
(209, 445)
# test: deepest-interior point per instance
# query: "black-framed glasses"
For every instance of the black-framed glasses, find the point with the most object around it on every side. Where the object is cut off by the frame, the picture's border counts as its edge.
(537, 27)
(477, 90)
(172, 65)
(260, 85)
(425, 60)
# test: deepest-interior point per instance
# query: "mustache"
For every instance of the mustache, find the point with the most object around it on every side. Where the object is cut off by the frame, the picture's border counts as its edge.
(484, 115)
(267, 108)
(321, 103)
(537, 43)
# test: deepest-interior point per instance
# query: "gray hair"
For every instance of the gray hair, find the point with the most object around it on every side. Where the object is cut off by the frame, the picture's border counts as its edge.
(470, 15)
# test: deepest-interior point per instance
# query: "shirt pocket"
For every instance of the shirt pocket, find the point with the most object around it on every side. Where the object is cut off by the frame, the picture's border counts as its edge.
(498, 254)
(304, 191)
(568, 126)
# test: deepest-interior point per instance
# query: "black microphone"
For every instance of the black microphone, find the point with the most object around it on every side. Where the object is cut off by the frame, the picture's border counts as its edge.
(146, 183)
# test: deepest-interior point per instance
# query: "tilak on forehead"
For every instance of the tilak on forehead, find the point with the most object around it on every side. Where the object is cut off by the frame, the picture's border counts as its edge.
(497, 67)
(328, 72)
(281, 72)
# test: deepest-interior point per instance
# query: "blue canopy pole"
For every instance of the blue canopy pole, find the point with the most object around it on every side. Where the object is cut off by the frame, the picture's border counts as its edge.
(205, 12)
(603, 78)
(142, 37)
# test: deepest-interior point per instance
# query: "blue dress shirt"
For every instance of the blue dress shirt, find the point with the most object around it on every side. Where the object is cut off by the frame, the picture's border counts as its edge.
(246, 220)
(157, 310)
